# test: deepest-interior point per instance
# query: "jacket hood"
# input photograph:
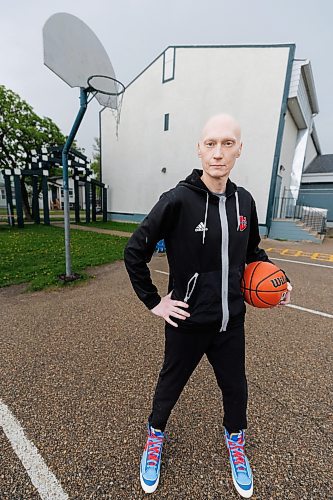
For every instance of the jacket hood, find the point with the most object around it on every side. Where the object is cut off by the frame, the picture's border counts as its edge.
(193, 181)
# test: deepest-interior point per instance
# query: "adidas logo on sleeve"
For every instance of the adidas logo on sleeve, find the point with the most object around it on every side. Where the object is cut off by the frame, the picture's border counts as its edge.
(201, 227)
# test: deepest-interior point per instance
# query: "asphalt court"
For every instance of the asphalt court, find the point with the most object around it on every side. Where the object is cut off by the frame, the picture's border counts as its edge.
(78, 369)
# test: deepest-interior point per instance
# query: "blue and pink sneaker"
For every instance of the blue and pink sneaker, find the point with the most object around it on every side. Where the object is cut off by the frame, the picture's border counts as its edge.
(151, 460)
(240, 466)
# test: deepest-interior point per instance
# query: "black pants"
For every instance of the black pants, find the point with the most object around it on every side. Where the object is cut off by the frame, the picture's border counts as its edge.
(183, 351)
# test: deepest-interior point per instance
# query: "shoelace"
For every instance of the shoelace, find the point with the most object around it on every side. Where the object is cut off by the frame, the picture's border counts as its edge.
(154, 445)
(238, 455)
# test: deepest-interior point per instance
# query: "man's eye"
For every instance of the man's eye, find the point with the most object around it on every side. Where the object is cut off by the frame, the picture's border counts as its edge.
(229, 144)
(210, 144)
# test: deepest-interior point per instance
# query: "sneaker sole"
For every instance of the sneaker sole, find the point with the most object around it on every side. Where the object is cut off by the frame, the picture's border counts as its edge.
(146, 488)
(243, 493)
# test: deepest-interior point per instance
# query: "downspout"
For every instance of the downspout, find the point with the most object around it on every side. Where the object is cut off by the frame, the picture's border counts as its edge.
(100, 153)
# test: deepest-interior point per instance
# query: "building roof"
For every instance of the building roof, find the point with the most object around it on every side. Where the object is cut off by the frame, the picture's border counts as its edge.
(321, 164)
(231, 46)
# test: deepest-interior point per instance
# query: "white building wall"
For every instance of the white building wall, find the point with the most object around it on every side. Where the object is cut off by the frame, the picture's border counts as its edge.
(287, 151)
(311, 152)
(246, 82)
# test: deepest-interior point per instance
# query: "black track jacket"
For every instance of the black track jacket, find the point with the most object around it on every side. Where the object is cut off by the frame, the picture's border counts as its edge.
(208, 242)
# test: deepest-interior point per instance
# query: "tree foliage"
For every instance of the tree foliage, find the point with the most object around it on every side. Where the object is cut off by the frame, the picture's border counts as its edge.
(96, 163)
(22, 130)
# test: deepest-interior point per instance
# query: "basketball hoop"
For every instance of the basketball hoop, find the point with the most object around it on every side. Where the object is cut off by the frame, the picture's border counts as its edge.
(106, 85)
(109, 92)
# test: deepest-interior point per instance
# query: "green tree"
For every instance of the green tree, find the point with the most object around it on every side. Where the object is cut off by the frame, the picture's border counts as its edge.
(96, 166)
(96, 163)
(22, 130)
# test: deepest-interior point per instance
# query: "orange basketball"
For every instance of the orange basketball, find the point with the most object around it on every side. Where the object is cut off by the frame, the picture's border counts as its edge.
(263, 284)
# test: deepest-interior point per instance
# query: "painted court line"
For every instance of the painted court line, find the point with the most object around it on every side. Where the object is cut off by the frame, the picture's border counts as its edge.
(283, 260)
(305, 263)
(41, 477)
(325, 315)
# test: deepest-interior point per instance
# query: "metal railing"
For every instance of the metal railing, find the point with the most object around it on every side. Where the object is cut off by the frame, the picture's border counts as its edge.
(313, 218)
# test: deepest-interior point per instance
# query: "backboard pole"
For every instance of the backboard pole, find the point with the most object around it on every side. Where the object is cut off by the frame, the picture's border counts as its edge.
(66, 148)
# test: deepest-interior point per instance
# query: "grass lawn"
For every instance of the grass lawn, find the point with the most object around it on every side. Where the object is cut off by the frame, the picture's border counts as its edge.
(36, 254)
(129, 227)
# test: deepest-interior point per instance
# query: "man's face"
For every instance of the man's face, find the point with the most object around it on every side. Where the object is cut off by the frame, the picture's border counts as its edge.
(219, 147)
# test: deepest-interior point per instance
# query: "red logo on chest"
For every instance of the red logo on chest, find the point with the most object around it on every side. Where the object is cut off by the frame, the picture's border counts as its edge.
(242, 222)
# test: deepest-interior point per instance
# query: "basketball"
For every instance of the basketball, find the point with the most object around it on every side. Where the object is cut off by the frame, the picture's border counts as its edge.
(263, 284)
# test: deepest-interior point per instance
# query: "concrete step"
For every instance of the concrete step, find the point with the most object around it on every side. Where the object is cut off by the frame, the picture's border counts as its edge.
(292, 230)
(304, 227)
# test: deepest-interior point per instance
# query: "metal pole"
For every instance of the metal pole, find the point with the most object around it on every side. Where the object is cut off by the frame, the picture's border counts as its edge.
(66, 148)
(35, 200)
(100, 154)
(87, 196)
(76, 198)
(93, 201)
(18, 197)
(105, 203)
(9, 197)
(46, 198)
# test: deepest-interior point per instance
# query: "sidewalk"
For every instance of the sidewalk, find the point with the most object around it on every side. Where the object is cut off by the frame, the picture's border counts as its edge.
(95, 229)
(326, 247)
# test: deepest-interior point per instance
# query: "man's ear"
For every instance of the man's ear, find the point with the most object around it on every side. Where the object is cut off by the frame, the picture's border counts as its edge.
(239, 150)
(199, 150)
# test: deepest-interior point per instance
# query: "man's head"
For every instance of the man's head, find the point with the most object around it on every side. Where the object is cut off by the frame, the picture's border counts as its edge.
(219, 146)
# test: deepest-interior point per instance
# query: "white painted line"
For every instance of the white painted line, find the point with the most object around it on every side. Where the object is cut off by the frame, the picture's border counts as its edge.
(301, 262)
(326, 315)
(41, 477)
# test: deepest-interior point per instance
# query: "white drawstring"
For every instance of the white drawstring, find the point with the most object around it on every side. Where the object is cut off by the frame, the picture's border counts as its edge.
(237, 210)
(206, 212)
(188, 291)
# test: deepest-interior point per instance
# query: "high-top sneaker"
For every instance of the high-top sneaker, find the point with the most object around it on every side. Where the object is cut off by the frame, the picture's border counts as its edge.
(240, 466)
(151, 460)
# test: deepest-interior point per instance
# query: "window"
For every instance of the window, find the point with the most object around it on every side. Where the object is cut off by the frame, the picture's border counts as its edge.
(70, 191)
(3, 194)
(169, 57)
(166, 121)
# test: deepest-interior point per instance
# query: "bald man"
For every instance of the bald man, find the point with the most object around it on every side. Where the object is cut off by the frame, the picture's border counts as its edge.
(210, 228)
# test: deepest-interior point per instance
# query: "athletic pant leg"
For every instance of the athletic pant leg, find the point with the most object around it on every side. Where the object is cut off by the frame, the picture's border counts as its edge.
(226, 354)
(183, 351)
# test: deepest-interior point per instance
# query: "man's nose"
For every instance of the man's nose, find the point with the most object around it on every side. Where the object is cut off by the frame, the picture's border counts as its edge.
(218, 153)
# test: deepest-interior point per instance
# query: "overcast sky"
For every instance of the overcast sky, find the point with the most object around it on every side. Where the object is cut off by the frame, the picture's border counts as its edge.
(134, 32)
